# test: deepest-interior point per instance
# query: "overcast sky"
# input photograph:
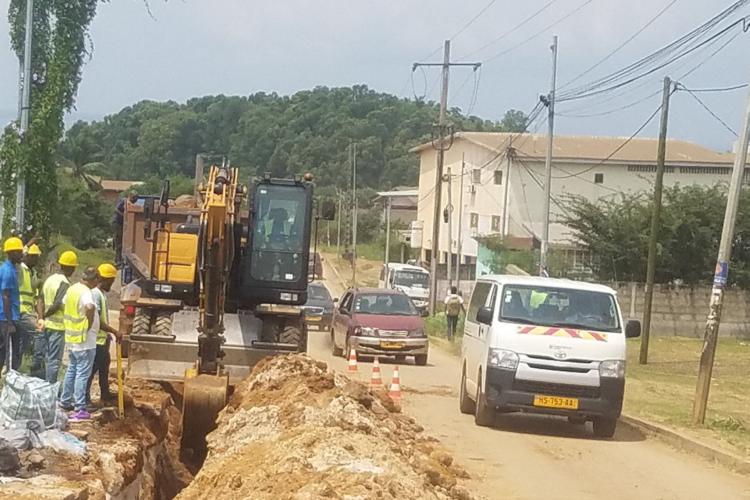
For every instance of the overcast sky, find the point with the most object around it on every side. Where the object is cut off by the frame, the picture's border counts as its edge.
(197, 47)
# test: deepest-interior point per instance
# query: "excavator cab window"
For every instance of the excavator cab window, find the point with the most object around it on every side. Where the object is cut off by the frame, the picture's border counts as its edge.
(279, 252)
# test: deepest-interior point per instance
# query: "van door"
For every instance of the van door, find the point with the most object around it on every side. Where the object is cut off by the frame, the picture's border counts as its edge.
(473, 347)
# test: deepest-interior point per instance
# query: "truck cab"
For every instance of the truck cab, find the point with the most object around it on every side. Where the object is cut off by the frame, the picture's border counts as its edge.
(414, 281)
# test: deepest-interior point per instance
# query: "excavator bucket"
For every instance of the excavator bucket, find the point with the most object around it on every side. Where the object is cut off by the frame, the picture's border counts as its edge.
(168, 357)
(203, 398)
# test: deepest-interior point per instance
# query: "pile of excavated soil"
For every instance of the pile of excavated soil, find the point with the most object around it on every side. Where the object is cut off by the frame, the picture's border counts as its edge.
(136, 457)
(295, 430)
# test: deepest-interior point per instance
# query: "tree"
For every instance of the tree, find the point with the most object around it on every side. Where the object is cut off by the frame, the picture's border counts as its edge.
(514, 121)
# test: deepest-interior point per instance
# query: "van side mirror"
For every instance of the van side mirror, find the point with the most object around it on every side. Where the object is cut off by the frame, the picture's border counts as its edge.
(484, 315)
(328, 210)
(632, 329)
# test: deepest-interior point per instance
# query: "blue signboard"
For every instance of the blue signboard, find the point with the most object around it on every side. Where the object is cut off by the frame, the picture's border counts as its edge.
(721, 274)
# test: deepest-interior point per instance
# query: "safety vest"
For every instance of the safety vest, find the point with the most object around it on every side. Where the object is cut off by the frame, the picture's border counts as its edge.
(28, 291)
(76, 323)
(101, 335)
(49, 291)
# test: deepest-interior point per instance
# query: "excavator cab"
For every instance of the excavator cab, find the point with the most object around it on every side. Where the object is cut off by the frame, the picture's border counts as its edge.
(276, 257)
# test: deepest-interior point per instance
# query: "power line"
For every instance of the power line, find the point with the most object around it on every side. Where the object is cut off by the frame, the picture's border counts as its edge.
(623, 44)
(539, 33)
(705, 106)
(512, 30)
(471, 21)
(719, 89)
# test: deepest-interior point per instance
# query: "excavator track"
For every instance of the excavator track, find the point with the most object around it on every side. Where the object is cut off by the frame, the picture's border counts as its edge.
(203, 398)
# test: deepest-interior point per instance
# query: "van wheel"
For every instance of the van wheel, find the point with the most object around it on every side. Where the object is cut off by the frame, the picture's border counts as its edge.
(604, 427)
(484, 416)
(465, 404)
(336, 351)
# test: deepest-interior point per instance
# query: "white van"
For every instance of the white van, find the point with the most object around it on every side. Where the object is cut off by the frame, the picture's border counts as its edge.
(544, 345)
(414, 281)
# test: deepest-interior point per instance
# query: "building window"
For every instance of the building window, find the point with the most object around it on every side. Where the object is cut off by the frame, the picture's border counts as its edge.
(476, 176)
(498, 177)
(496, 221)
(474, 220)
(598, 178)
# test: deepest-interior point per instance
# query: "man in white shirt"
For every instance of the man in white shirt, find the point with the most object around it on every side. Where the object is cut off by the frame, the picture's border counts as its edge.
(454, 304)
(81, 327)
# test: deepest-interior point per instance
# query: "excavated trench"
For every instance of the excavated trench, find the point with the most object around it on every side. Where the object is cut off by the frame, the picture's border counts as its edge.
(292, 430)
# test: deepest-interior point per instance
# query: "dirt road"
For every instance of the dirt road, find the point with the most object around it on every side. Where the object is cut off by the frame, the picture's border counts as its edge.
(544, 457)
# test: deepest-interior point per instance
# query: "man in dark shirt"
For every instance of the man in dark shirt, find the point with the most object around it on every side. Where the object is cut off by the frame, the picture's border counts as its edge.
(10, 312)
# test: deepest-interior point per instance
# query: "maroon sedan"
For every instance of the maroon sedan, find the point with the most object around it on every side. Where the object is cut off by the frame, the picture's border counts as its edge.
(379, 322)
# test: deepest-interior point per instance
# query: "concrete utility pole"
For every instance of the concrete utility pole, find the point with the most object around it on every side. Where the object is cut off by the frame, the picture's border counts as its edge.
(450, 229)
(354, 214)
(550, 102)
(441, 145)
(459, 238)
(655, 221)
(25, 110)
(387, 237)
(720, 276)
(506, 203)
(339, 214)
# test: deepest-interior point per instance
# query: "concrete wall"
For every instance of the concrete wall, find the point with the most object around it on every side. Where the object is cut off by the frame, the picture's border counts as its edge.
(683, 311)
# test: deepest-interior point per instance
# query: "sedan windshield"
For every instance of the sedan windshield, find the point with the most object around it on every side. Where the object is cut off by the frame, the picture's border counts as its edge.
(561, 307)
(385, 304)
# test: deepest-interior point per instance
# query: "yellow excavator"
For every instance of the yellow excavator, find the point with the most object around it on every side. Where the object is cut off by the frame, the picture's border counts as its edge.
(236, 279)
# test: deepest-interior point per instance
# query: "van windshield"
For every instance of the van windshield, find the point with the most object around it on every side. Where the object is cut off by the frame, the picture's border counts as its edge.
(411, 279)
(561, 307)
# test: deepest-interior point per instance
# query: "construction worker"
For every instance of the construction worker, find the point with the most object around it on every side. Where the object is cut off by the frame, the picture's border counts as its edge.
(106, 277)
(49, 344)
(10, 312)
(81, 328)
(28, 284)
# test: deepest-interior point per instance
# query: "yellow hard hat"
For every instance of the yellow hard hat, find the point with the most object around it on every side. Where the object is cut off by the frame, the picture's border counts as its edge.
(34, 250)
(68, 258)
(107, 270)
(13, 245)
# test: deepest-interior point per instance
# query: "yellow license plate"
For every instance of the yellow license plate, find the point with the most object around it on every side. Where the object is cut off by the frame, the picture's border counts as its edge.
(556, 402)
(391, 345)
(314, 318)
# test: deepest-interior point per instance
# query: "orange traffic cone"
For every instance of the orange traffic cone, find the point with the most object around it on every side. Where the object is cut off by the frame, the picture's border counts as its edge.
(395, 391)
(352, 368)
(375, 381)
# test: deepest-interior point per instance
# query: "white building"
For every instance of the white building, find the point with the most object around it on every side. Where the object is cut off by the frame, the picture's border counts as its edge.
(490, 166)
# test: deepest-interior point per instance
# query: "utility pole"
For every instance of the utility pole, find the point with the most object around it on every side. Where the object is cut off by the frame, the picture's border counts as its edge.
(550, 102)
(450, 229)
(459, 238)
(720, 276)
(441, 145)
(506, 216)
(25, 109)
(655, 222)
(339, 214)
(387, 237)
(198, 177)
(354, 214)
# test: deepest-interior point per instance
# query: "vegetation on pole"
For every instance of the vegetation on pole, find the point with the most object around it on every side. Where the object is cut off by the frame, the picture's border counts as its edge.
(60, 47)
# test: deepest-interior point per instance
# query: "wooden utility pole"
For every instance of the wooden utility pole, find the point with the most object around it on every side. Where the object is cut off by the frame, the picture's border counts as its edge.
(354, 214)
(449, 208)
(550, 102)
(386, 271)
(441, 144)
(506, 198)
(721, 274)
(339, 214)
(655, 221)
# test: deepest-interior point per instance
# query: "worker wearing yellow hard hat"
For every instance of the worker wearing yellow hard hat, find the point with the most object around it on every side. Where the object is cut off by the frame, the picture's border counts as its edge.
(107, 273)
(10, 312)
(29, 286)
(50, 342)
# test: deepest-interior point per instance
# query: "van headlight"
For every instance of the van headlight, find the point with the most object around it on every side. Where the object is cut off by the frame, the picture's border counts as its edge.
(612, 368)
(502, 358)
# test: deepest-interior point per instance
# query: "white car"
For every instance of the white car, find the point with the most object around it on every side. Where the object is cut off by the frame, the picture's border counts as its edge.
(544, 345)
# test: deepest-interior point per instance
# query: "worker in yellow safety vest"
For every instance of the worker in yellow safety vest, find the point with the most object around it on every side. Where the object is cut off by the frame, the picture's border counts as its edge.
(81, 328)
(106, 278)
(28, 285)
(49, 343)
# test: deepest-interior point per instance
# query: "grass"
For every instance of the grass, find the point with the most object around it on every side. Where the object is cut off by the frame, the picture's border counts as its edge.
(91, 257)
(436, 328)
(664, 389)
